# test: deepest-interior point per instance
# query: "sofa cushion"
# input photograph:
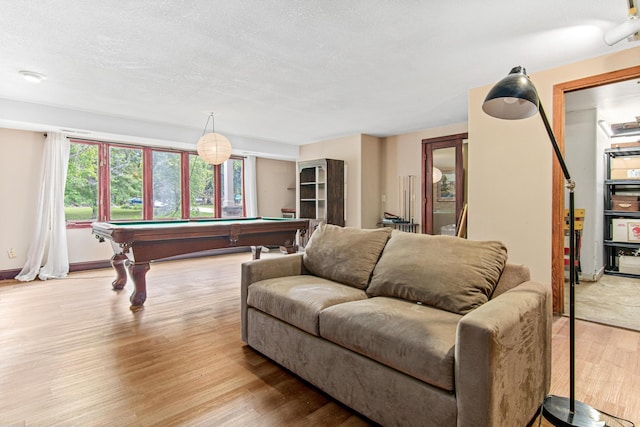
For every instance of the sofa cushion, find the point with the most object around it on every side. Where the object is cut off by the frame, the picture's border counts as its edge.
(299, 299)
(345, 255)
(446, 272)
(415, 339)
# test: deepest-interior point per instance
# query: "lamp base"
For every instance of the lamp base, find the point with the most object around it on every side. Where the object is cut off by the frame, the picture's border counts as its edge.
(556, 410)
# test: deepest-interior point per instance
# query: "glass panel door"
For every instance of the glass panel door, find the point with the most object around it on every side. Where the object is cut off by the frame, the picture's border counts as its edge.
(443, 197)
(443, 191)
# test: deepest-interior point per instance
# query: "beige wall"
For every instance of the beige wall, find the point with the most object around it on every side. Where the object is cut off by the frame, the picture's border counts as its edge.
(363, 157)
(510, 166)
(402, 155)
(20, 164)
(348, 149)
(275, 186)
(371, 166)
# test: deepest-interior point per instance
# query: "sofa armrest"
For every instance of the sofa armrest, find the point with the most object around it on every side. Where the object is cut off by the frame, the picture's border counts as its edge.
(263, 269)
(503, 358)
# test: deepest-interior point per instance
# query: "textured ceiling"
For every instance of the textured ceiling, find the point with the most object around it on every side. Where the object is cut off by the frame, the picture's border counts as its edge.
(291, 72)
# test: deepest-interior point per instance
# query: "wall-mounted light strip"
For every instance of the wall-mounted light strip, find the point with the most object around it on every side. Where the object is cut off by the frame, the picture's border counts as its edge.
(618, 130)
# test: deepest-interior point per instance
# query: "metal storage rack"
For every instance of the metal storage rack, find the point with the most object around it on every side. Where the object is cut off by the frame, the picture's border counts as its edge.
(612, 249)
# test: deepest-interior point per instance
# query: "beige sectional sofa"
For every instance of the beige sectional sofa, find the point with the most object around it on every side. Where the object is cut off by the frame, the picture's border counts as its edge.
(407, 329)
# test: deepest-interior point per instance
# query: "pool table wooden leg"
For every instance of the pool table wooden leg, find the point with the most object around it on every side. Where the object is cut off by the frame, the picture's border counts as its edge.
(138, 276)
(118, 261)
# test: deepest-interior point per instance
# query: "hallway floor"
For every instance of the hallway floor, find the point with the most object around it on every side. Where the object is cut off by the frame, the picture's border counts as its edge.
(613, 300)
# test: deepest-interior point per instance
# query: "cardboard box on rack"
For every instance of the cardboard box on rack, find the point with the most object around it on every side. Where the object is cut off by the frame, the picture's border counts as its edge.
(622, 228)
(633, 231)
(626, 197)
(629, 264)
(625, 173)
(625, 162)
(625, 205)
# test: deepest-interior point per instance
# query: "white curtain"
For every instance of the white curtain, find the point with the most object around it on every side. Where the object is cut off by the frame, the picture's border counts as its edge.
(251, 194)
(49, 242)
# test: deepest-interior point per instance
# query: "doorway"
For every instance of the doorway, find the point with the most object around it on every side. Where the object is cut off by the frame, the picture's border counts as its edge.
(443, 185)
(597, 119)
(558, 203)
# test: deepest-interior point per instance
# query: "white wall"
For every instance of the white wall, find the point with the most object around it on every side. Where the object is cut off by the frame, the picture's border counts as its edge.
(602, 142)
(584, 160)
(510, 167)
(37, 117)
(84, 247)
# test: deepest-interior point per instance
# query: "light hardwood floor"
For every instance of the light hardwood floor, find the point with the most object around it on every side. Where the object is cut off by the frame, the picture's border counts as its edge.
(73, 354)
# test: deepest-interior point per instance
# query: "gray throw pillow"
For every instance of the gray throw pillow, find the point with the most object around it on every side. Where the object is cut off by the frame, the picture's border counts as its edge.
(446, 272)
(343, 254)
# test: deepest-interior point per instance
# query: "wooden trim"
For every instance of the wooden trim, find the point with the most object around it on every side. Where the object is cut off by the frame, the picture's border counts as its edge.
(9, 274)
(217, 191)
(557, 209)
(104, 191)
(147, 183)
(79, 266)
(185, 189)
(90, 265)
(459, 136)
(428, 145)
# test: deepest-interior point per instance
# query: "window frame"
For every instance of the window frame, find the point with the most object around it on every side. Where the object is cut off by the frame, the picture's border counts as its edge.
(104, 192)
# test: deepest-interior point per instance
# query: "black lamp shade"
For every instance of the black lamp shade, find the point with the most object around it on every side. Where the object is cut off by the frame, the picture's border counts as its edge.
(512, 98)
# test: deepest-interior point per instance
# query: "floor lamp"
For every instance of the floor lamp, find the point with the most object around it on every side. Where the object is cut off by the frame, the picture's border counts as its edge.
(513, 98)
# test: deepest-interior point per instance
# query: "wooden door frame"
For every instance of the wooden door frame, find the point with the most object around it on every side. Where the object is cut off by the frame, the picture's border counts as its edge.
(454, 141)
(557, 216)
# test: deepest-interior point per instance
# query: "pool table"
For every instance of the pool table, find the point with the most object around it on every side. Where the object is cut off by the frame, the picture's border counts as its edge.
(137, 243)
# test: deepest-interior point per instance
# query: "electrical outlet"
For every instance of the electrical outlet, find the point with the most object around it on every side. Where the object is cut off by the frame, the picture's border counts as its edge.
(11, 253)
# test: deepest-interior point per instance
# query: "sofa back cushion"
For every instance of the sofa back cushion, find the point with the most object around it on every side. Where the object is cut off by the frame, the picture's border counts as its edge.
(446, 272)
(343, 254)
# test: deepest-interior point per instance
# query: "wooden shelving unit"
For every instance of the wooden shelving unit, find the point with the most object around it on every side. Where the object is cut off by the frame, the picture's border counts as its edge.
(321, 191)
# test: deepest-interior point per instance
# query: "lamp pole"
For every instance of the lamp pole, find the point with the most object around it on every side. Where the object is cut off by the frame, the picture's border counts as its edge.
(512, 98)
(570, 185)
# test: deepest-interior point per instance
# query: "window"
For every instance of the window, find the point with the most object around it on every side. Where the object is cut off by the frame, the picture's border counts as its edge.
(81, 190)
(125, 183)
(114, 182)
(167, 196)
(201, 194)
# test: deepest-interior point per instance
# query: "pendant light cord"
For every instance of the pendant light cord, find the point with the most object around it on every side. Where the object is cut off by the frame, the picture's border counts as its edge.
(213, 126)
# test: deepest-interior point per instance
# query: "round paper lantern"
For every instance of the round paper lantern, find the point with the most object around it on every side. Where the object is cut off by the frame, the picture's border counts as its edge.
(214, 148)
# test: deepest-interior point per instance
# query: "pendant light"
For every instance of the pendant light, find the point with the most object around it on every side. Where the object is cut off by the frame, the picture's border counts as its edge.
(213, 148)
